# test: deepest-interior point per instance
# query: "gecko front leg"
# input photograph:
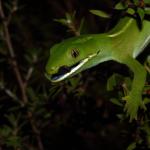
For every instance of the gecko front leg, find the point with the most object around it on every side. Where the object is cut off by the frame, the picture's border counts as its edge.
(134, 99)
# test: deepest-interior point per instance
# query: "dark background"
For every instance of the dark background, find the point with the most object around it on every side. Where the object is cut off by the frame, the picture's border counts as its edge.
(76, 114)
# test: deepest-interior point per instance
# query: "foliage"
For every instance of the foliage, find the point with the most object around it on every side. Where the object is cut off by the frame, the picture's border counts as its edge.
(80, 112)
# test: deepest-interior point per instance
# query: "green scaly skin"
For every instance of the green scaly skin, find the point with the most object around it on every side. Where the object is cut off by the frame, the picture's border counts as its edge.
(122, 44)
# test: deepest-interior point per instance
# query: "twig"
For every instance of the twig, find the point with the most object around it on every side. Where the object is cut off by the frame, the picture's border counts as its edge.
(8, 92)
(35, 130)
(28, 76)
(22, 84)
(12, 11)
(12, 54)
(30, 71)
(73, 29)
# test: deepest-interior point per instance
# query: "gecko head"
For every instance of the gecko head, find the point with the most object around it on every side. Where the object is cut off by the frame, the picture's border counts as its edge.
(69, 58)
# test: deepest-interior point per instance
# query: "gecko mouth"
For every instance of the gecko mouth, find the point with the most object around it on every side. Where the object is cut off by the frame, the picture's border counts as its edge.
(67, 71)
(64, 72)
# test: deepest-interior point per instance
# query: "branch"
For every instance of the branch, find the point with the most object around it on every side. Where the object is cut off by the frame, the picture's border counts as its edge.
(12, 54)
(12, 11)
(21, 83)
(28, 76)
(8, 92)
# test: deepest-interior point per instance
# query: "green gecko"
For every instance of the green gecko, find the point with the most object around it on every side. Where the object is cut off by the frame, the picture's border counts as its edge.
(122, 44)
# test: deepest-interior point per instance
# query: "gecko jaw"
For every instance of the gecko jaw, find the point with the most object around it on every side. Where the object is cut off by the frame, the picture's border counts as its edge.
(59, 77)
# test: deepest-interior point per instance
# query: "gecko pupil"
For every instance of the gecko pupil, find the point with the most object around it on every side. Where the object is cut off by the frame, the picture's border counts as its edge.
(74, 53)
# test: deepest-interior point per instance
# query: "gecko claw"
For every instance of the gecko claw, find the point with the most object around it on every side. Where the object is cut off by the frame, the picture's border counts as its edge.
(133, 103)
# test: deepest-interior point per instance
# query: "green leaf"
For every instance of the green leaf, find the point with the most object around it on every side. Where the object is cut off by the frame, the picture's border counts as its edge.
(62, 21)
(132, 146)
(8, 6)
(55, 90)
(12, 119)
(146, 100)
(128, 82)
(100, 13)
(120, 116)
(5, 131)
(127, 85)
(147, 1)
(47, 115)
(116, 102)
(70, 17)
(120, 6)
(136, 2)
(3, 49)
(147, 10)
(148, 60)
(68, 20)
(111, 82)
(130, 11)
(81, 25)
(141, 13)
(13, 141)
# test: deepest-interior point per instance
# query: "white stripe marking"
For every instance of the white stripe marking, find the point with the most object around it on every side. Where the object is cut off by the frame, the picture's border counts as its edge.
(121, 30)
(75, 68)
(135, 54)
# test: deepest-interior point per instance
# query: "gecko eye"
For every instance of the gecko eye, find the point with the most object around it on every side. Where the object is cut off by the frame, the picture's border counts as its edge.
(74, 53)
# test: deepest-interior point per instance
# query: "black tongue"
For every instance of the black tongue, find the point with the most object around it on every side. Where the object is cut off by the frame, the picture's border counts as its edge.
(62, 70)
